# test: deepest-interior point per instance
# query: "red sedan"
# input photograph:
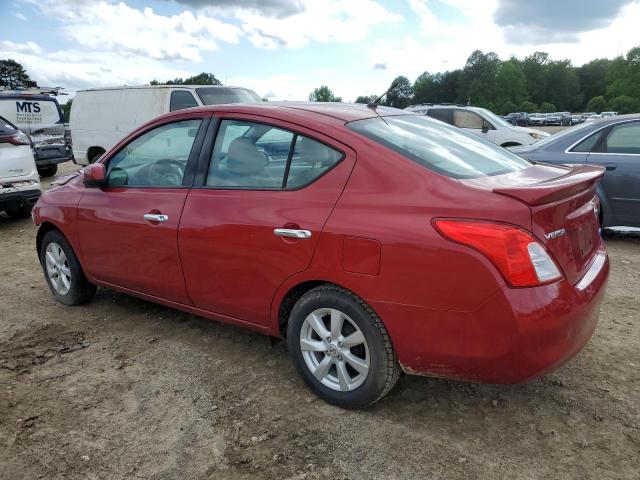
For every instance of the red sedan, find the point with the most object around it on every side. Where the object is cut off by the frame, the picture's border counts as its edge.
(372, 239)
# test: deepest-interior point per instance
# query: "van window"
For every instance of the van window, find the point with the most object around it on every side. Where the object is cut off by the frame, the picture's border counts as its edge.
(182, 99)
(467, 119)
(220, 95)
(449, 151)
(443, 114)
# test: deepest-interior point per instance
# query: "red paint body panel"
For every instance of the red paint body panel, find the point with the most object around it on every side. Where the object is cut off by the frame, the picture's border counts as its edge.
(448, 310)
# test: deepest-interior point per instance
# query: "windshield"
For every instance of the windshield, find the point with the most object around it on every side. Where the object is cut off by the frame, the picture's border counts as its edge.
(439, 147)
(495, 118)
(220, 95)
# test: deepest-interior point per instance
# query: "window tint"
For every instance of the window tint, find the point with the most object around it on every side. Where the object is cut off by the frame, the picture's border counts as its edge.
(181, 99)
(588, 144)
(443, 114)
(624, 138)
(444, 149)
(250, 155)
(467, 119)
(157, 158)
(310, 160)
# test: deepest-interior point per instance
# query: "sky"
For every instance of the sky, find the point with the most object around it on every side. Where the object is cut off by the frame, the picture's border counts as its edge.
(283, 49)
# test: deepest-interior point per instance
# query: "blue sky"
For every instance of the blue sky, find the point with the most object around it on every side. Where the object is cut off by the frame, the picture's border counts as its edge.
(284, 48)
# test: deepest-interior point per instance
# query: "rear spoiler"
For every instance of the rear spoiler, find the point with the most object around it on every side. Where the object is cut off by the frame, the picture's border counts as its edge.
(578, 179)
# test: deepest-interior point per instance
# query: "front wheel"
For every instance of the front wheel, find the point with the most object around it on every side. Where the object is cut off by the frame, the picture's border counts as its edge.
(341, 348)
(63, 272)
(48, 170)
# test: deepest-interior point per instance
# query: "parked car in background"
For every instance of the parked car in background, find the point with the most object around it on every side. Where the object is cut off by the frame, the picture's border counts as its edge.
(123, 109)
(40, 117)
(518, 119)
(537, 119)
(19, 179)
(347, 230)
(592, 117)
(553, 119)
(608, 114)
(577, 119)
(481, 122)
(613, 143)
(565, 118)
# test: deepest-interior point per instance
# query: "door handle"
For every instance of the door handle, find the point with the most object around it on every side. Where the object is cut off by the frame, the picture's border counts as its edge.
(156, 217)
(292, 233)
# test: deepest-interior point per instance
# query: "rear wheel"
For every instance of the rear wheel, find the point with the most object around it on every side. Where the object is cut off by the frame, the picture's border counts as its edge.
(341, 348)
(47, 170)
(19, 211)
(63, 272)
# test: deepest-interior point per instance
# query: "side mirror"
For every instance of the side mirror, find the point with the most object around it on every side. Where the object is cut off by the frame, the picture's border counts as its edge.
(95, 175)
(485, 128)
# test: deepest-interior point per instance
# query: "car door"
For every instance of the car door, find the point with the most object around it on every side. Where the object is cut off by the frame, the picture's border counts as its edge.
(256, 212)
(618, 150)
(128, 230)
(474, 123)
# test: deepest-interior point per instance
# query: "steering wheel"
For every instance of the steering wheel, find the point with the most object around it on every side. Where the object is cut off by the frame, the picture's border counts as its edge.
(166, 172)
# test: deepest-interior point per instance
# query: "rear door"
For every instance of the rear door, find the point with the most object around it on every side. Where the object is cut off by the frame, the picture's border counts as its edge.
(618, 150)
(128, 230)
(263, 193)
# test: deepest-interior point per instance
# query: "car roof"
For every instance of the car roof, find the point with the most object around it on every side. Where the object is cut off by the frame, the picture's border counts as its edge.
(27, 96)
(343, 112)
(145, 87)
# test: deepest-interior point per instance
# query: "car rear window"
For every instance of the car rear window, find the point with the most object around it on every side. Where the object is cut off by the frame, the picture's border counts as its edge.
(447, 150)
(221, 95)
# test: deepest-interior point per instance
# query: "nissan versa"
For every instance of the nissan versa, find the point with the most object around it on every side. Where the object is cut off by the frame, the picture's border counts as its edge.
(373, 239)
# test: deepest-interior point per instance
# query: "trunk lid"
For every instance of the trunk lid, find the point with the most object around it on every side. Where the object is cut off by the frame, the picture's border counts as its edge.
(564, 209)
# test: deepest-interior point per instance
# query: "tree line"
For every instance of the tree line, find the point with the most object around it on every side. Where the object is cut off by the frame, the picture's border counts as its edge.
(534, 84)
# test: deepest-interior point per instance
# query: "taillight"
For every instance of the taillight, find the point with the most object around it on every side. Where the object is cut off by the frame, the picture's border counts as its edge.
(519, 257)
(17, 138)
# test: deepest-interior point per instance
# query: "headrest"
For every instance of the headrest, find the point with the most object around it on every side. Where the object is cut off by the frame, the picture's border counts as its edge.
(314, 152)
(244, 158)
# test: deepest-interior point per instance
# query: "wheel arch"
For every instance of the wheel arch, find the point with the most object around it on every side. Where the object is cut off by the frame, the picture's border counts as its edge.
(44, 228)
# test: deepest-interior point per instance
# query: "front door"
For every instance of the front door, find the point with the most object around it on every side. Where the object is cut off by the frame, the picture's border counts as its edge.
(474, 123)
(128, 231)
(619, 152)
(256, 218)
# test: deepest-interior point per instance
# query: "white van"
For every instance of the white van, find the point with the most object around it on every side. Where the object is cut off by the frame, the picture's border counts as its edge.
(39, 116)
(102, 117)
(481, 122)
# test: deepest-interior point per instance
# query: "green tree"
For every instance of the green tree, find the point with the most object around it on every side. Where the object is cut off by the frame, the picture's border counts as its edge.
(203, 78)
(563, 86)
(508, 107)
(424, 88)
(477, 82)
(13, 75)
(528, 107)
(547, 107)
(66, 110)
(623, 77)
(624, 104)
(323, 94)
(365, 99)
(593, 77)
(597, 104)
(511, 83)
(400, 94)
(535, 68)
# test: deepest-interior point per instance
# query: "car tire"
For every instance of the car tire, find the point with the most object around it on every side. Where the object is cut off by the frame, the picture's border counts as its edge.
(19, 212)
(48, 170)
(355, 363)
(63, 271)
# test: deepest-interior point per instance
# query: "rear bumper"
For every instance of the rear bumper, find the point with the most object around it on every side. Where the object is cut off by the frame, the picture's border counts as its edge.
(515, 336)
(20, 197)
(52, 154)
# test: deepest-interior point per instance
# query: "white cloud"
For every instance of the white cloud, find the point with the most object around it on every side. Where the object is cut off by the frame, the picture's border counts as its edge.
(28, 47)
(328, 21)
(20, 16)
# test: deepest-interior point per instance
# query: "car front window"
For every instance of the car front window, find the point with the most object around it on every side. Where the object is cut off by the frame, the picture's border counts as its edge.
(495, 119)
(446, 150)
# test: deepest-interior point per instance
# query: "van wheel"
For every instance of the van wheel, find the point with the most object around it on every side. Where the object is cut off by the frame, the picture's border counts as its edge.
(341, 348)
(19, 211)
(63, 272)
(48, 170)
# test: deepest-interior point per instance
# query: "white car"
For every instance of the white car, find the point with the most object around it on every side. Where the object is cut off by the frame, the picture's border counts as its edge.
(19, 180)
(100, 118)
(482, 122)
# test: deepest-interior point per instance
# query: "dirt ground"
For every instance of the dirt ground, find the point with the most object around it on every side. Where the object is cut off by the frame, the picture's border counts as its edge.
(123, 389)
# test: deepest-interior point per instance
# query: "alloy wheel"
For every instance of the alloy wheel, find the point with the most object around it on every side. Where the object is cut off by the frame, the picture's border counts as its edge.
(58, 269)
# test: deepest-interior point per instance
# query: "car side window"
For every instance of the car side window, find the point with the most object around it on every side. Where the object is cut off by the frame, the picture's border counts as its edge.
(181, 99)
(310, 160)
(158, 158)
(587, 145)
(467, 119)
(624, 139)
(249, 155)
(442, 114)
